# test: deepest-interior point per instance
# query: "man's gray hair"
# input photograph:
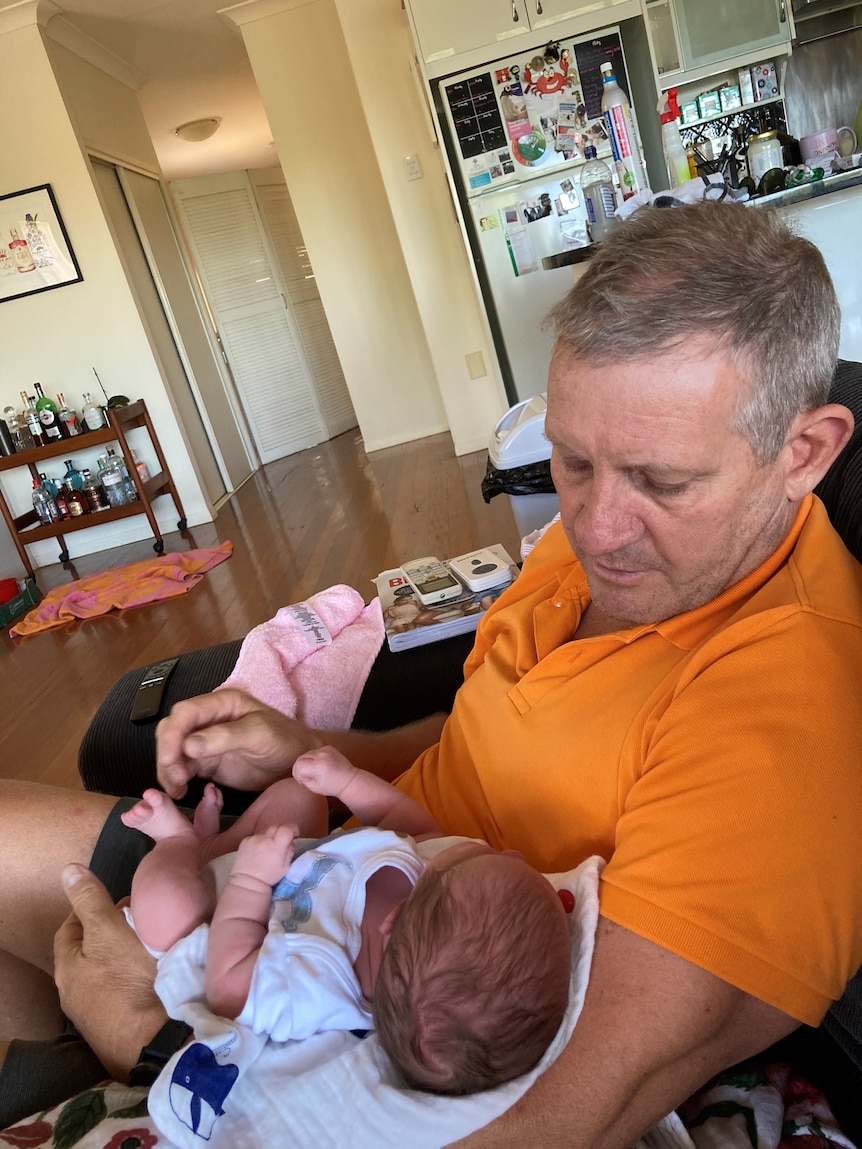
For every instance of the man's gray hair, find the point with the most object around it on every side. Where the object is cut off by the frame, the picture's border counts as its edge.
(728, 271)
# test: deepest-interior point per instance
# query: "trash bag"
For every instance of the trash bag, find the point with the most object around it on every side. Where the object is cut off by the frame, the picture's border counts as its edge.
(531, 479)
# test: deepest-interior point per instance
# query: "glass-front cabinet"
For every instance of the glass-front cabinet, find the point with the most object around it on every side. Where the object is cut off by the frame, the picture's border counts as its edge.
(698, 35)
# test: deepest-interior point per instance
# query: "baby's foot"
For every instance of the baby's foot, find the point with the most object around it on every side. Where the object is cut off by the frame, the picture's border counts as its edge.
(324, 771)
(157, 817)
(207, 820)
(266, 856)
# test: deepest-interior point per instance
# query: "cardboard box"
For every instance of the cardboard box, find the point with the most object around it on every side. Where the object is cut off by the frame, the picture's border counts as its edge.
(709, 104)
(690, 113)
(28, 597)
(746, 85)
(764, 81)
(730, 98)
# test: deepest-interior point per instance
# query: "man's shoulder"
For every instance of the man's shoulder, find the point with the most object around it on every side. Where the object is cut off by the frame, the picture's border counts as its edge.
(826, 576)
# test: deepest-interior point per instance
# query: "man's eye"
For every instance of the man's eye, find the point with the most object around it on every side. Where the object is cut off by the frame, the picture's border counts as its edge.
(664, 489)
(576, 466)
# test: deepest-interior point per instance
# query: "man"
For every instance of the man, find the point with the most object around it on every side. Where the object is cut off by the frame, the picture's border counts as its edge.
(671, 683)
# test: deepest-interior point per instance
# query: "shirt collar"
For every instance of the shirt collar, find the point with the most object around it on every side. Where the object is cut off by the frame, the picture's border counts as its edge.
(690, 628)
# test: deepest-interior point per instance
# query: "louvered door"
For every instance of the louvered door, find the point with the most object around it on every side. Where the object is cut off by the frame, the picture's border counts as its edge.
(258, 331)
(279, 218)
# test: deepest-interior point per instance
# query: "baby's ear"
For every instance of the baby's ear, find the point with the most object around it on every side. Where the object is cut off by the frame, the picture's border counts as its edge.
(388, 924)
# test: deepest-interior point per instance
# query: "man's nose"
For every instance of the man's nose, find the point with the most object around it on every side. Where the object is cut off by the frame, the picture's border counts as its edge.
(604, 518)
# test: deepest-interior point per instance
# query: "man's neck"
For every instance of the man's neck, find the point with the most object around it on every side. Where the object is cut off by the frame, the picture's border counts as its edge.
(595, 622)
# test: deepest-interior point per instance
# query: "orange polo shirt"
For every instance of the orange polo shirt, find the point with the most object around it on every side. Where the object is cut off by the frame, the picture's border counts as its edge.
(712, 760)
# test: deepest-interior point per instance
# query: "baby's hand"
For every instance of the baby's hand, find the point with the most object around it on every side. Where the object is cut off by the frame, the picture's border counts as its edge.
(324, 771)
(266, 856)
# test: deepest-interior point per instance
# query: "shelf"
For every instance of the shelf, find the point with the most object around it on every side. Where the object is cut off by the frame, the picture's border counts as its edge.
(730, 112)
(27, 528)
(35, 455)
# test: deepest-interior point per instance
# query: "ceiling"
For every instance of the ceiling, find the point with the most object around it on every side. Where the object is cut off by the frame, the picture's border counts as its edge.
(190, 63)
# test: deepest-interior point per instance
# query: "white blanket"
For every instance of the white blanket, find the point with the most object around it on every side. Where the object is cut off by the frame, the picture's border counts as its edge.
(335, 1089)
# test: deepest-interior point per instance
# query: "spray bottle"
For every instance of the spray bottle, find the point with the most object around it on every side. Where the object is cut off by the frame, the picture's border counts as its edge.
(671, 141)
(624, 141)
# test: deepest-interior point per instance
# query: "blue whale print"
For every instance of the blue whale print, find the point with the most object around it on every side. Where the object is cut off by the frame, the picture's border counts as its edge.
(199, 1086)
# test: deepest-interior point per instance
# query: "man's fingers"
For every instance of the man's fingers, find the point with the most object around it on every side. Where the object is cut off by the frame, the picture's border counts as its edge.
(85, 892)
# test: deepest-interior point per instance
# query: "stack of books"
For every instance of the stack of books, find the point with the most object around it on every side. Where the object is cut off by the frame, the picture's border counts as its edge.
(409, 623)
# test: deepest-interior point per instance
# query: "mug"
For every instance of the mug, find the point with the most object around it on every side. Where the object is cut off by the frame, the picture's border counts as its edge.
(827, 144)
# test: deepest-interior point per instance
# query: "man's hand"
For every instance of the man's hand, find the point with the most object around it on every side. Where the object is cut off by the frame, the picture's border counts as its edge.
(104, 975)
(230, 737)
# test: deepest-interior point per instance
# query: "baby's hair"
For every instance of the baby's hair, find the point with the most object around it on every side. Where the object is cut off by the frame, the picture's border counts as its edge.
(471, 990)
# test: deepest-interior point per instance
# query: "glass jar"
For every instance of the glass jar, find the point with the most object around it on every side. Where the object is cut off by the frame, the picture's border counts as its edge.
(764, 153)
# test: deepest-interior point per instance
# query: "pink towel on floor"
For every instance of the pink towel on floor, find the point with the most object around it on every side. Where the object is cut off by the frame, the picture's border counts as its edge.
(311, 660)
(132, 585)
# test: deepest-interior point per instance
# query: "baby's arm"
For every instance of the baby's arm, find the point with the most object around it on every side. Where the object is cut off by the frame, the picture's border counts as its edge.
(241, 917)
(373, 801)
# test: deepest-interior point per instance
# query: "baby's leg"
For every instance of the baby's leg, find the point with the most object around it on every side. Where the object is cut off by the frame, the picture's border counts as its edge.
(284, 802)
(170, 894)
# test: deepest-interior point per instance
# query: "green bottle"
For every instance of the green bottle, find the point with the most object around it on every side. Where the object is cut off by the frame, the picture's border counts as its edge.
(46, 409)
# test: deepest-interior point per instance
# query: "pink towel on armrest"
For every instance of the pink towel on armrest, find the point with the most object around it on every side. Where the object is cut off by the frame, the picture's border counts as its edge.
(312, 659)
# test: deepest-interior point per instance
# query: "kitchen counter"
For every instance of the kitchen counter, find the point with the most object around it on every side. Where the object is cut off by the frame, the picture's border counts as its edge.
(804, 192)
(787, 198)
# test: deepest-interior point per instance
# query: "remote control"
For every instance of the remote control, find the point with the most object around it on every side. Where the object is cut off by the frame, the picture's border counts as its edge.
(148, 697)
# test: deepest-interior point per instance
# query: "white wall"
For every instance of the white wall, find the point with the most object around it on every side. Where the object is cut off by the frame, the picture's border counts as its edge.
(59, 337)
(425, 220)
(392, 271)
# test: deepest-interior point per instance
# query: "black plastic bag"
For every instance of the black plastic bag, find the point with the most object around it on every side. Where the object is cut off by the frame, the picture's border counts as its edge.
(532, 479)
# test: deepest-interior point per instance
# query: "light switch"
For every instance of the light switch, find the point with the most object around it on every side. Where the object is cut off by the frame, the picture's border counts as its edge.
(412, 167)
(476, 365)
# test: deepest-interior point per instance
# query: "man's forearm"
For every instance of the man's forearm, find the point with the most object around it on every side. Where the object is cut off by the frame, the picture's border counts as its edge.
(390, 753)
(652, 1030)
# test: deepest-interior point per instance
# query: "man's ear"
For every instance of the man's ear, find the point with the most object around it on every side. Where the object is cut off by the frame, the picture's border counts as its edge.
(815, 441)
(388, 924)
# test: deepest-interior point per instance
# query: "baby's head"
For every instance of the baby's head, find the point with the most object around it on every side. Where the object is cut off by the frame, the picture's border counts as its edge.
(475, 979)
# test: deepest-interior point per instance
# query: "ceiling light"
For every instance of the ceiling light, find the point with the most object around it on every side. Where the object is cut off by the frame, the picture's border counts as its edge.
(195, 131)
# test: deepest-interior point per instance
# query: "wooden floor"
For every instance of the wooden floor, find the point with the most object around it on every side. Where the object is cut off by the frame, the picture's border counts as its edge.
(327, 515)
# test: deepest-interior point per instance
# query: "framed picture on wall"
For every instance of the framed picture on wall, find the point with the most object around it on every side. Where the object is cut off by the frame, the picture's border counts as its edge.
(35, 253)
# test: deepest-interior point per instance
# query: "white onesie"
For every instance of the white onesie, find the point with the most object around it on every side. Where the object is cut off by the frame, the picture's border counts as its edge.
(303, 982)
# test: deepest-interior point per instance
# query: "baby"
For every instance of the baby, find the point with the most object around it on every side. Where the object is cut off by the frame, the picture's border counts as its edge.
(463, 950)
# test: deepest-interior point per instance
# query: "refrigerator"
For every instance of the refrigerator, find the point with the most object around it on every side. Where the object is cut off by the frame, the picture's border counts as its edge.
(515, 130)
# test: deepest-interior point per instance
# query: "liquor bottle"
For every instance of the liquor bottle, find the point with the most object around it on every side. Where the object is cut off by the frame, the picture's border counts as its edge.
(44, 505)
(112, 481)
(18, 429)
(67, 416)
(94, 492)
(142, 468)
(48, 485)
(47, 410)
(20, 251)
(77, 502)
(60, 498)
(92, 414)
(73, 477)
(130, 491)
(31, 418)
(624, 141)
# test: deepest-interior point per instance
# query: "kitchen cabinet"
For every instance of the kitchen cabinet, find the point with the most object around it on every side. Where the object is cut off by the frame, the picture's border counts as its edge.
(26, 528)
(693, 38)
(448, 32)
